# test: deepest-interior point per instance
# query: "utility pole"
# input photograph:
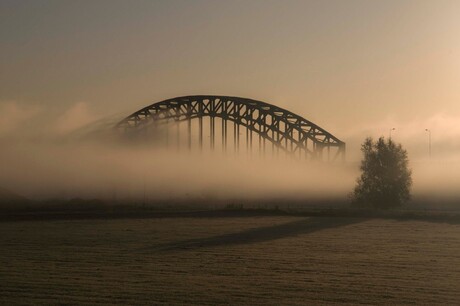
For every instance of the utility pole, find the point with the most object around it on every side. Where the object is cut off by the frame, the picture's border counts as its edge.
(429, 142)
(392, 129)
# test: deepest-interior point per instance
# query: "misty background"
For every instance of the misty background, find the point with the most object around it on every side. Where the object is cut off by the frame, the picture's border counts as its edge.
(354, 68)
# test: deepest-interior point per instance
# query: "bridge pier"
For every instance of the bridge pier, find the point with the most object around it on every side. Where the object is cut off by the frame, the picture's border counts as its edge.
(224, 135)
(189, 134)
(200, 132)
(178, 134)
(211, 122)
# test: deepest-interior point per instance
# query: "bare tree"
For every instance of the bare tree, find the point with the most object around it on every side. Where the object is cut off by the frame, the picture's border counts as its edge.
(385, 179)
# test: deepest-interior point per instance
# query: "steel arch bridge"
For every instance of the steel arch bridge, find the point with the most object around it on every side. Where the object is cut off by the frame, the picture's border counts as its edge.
(281, 128)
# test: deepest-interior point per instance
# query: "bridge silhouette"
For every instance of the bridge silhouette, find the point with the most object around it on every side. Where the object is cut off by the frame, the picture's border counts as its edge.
(275, 128)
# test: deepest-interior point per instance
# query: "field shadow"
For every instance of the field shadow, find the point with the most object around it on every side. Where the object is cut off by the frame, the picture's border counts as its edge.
(260, 234)
(451, 220)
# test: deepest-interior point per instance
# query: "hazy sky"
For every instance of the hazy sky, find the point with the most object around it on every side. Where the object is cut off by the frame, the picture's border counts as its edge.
(340, 64)
(356, 68)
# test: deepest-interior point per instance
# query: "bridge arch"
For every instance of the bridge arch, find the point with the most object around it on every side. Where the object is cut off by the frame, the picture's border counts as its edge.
(283, 129)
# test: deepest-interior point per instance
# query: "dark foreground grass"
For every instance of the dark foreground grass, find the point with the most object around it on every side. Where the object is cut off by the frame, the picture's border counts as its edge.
(233, 260)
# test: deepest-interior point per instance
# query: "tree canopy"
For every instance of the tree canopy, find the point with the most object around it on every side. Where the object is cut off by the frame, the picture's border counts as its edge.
(385, 179)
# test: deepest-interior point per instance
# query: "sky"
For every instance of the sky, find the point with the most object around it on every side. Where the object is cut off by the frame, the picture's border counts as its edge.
(333, 61)
(356, 68)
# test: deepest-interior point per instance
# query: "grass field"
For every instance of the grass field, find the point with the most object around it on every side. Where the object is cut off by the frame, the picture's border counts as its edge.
(236, 260)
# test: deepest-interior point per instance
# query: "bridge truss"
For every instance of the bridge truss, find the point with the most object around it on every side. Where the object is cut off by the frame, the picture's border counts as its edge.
(281, 129)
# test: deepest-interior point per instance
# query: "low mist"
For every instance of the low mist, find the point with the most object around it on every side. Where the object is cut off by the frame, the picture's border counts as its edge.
(76, 153)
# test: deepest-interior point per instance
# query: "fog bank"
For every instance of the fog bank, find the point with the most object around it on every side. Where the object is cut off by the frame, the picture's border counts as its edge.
(74, 153)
